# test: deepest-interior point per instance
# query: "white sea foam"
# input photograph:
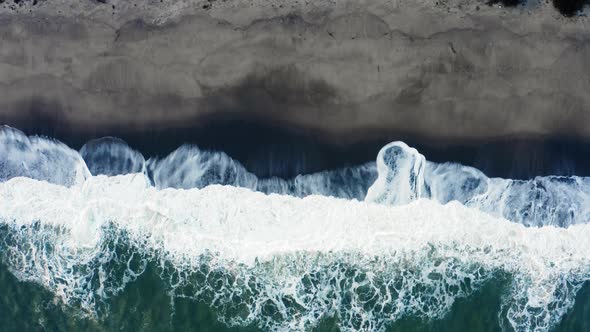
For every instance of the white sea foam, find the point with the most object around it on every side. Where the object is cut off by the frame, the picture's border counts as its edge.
(187, 167)
(304, 258)
(405, 175)
(283, 262)
(401, 178)
(39, 158)
(111, 156)
(190, 167)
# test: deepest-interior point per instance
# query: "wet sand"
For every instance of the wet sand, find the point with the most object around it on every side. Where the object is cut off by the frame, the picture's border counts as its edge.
(337, 73)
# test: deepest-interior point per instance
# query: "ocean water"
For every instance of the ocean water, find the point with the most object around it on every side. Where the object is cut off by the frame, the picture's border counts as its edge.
(108, 239)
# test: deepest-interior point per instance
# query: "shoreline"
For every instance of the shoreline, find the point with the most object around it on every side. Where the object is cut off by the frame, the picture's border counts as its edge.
(269, 150)
(344, 75)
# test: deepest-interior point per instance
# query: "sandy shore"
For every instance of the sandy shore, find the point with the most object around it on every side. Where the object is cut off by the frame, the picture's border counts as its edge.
(345, 71)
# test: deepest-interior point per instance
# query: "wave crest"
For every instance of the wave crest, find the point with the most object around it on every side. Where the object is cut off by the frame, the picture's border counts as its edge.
(405, 175)
(284, 262)
(39, 158)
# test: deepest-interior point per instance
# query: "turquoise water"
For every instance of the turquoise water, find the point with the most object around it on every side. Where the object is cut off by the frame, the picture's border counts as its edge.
(430, 247)
(144, 305)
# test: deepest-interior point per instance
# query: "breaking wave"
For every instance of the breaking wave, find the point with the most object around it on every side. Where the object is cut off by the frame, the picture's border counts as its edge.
(426, 235)
(405, 175)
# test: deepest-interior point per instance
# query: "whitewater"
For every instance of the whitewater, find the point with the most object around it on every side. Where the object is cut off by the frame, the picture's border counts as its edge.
(369, 245)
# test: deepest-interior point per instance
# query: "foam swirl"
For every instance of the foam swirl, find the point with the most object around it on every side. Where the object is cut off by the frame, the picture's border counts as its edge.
(405, 175)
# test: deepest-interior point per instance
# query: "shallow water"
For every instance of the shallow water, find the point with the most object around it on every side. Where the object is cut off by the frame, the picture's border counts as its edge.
(145, 305)
(196, 241)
